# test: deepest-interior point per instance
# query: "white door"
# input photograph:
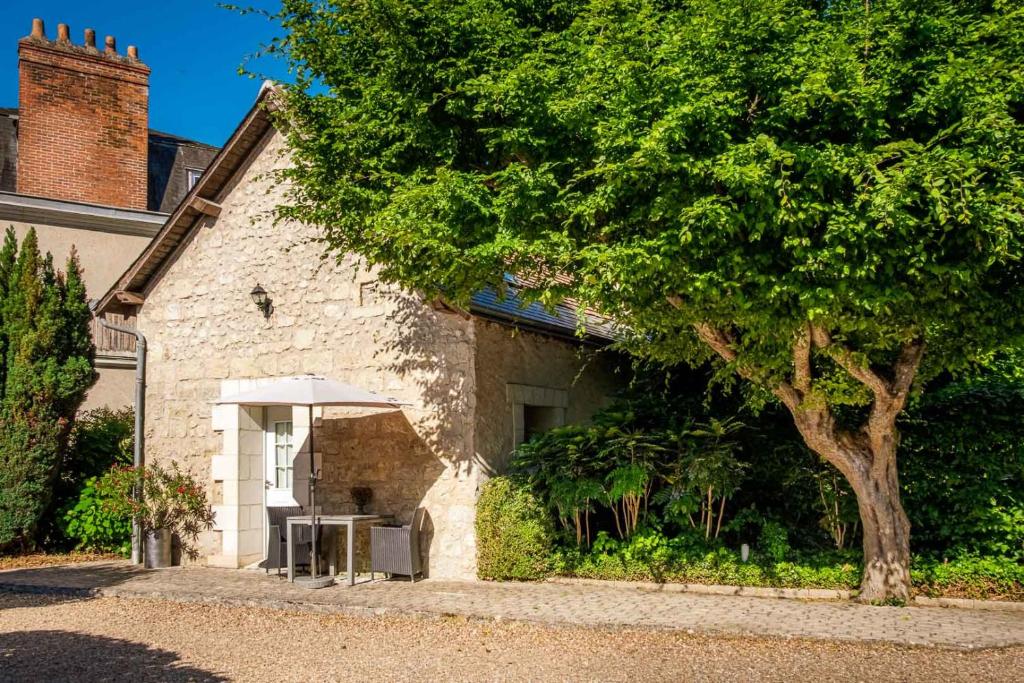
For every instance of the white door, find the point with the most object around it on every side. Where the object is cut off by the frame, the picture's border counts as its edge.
(279, 450)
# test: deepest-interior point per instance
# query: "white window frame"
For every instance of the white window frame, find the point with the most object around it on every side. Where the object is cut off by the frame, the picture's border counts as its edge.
(192, 177)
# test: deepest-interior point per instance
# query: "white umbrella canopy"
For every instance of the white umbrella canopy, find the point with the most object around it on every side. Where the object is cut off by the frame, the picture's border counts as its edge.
(311, 390)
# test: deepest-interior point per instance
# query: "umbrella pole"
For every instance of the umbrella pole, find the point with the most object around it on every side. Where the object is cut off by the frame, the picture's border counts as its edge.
(314, 557)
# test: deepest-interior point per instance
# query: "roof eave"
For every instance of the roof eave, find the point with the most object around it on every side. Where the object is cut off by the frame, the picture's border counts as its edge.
(137, 277)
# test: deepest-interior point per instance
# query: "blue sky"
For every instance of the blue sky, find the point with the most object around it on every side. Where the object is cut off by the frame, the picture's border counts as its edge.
(193, 47)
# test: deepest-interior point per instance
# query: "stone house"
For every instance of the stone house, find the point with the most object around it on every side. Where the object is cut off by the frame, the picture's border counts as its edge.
(476, 382)
(79, 163)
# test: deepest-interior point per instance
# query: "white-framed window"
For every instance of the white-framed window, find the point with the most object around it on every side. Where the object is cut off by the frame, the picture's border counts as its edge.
(192, 176)
(284, 455)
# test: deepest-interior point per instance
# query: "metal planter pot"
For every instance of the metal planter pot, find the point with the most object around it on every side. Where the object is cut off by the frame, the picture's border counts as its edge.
(158, 549)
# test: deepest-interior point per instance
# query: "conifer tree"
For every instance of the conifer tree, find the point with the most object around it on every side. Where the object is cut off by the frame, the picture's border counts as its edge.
(46, 369)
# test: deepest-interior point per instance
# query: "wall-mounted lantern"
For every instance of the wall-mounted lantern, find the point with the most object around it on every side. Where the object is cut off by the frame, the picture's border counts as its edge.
(262, 301)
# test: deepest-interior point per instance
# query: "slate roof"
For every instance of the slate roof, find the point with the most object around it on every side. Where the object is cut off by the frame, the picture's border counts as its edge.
(169, 157)
(563, 319)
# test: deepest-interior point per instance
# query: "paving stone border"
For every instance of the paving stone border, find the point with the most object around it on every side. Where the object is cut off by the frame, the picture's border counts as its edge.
(595, 603)
(716, 589)
(826, 594)
(967, 603)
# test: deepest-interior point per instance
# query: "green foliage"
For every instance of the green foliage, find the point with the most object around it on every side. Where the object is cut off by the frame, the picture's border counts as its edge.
(513, 532)
(171, 499)
(93, 525)
(970, 576)
(963, 473)
(46, 368)
(100, 438)
(629, 462)
(763, 164)
(774, 541)
(652, 557)
(975, 499)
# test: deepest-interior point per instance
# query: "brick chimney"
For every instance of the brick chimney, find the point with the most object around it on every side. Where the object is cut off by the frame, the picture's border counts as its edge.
(83, 128)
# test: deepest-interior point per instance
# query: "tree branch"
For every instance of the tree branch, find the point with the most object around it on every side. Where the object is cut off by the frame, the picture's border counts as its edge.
(848, 361)
(802, 360)
(817, 424)
(905, 369)
(722, 344)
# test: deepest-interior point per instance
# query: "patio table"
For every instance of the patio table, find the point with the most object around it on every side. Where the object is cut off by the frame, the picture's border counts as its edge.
(348, 521)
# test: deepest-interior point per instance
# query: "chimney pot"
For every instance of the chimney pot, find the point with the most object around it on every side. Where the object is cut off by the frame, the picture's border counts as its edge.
(81, 109)
(133, 53)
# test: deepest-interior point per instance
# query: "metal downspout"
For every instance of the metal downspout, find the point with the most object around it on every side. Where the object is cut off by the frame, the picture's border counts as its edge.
(140, 419)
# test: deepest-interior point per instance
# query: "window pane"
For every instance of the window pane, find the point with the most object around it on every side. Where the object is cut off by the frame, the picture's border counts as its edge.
(283, 454)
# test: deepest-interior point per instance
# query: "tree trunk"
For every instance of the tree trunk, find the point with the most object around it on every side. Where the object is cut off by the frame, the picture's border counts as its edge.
(867, 460)
(866, 457)
(886, 536)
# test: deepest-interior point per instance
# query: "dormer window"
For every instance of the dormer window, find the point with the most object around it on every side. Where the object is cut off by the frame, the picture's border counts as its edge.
(192, 176)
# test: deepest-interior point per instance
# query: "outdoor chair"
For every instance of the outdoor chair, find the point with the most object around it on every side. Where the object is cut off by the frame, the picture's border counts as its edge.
(396, 549)
(277, 539)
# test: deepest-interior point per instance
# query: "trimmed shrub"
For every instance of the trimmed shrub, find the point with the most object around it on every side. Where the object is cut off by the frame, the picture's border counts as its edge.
(514, 533)
(970, 576)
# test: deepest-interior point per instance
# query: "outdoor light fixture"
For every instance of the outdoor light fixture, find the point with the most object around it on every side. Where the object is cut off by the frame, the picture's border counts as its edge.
(262, 301)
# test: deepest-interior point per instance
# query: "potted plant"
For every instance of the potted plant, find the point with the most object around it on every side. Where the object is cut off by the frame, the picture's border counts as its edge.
(172, 502)
(361, 496)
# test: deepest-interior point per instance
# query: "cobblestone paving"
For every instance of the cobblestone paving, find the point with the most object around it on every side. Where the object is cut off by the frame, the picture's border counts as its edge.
(548, 603)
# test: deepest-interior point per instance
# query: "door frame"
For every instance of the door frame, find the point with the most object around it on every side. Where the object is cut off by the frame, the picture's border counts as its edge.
(277, 497)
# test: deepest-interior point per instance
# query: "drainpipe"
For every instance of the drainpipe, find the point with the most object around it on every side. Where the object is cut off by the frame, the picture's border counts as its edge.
(140, 420)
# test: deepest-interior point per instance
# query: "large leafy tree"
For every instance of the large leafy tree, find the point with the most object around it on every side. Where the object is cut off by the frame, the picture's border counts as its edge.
(45, 369)
(826, 196)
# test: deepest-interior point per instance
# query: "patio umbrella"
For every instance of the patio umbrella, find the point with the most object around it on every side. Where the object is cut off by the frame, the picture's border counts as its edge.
(310, 391)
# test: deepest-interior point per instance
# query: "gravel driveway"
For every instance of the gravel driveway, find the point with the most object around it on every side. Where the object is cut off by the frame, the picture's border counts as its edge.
(53, 639)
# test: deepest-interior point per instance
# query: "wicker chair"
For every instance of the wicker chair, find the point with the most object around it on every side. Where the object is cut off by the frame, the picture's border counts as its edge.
(277, 539)
(396, 549)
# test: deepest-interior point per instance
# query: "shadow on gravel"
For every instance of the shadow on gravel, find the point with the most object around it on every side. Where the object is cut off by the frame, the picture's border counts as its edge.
(65, 583)
(66, 656)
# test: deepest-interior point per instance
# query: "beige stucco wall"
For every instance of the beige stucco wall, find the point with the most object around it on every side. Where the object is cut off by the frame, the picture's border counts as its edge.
(114, 388)
(104, 256)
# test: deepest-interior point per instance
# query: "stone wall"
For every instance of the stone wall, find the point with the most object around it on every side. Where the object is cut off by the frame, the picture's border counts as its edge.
(514, 365)
(329, 318)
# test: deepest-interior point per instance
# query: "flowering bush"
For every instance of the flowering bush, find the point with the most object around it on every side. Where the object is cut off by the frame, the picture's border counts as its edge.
(171, 499)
